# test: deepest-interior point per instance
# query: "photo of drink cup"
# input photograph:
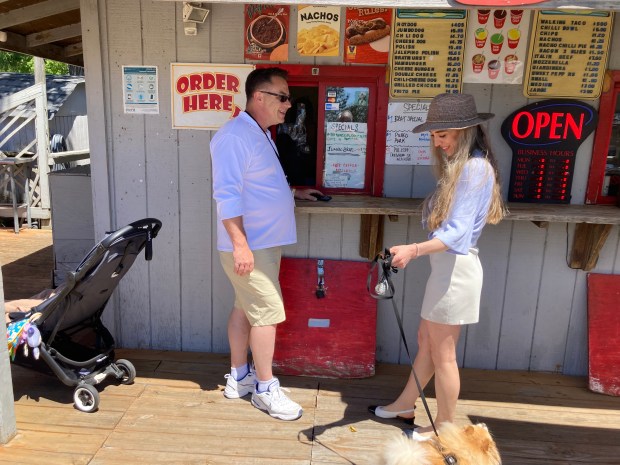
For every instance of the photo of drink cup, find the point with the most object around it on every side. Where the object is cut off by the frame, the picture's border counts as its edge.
(510, 62)
(477, 62)
(499, 16)
(494, 67)
(481, 35)
(497, 40)
(514, 35)
(483, 16)
(515, 16)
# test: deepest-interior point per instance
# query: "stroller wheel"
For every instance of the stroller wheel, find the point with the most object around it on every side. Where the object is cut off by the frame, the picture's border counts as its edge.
(86, 398)
(129, 371)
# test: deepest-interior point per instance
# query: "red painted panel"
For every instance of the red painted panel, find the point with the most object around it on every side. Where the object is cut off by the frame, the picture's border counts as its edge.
(604, 333)
(330, 337)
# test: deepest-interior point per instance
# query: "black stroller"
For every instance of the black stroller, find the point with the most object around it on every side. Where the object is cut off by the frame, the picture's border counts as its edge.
(74, 342)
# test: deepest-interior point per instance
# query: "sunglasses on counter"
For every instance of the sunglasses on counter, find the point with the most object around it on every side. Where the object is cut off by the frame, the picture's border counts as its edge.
(281, 97)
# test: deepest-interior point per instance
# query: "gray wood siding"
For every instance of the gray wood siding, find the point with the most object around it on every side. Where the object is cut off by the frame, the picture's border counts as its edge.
(533, 313)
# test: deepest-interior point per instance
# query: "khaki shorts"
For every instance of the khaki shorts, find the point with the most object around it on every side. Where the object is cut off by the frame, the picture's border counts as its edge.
(258, 294)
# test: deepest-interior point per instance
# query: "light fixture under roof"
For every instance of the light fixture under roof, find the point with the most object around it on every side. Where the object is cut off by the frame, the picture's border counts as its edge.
(194, 13)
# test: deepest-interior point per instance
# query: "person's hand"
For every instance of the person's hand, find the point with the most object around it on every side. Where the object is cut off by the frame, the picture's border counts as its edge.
(244, 261)
(306, 194)
(403, 254)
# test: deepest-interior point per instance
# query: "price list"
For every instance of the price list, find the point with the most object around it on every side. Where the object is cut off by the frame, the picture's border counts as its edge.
(541, 178)
(427, 52)
(568, 54)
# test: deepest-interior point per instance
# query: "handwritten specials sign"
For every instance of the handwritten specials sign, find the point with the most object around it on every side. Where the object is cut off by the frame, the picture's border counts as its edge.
(345, 154)
(403, 146)
(568, 54)
(427, 52)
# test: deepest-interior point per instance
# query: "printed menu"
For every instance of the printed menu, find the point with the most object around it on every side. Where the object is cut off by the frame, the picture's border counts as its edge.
(403, 146)
(367, 36)
(496, 46)
(568, 53)
(266, 32)
(427, 52)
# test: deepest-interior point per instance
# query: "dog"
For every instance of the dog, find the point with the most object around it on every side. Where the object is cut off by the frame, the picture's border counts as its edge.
(469, 445)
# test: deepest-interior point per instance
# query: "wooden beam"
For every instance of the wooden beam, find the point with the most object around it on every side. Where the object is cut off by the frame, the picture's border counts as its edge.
(52, 35)
(371, 236)
(17, 43)
(74, 50)
(37, 11)
(588, 241)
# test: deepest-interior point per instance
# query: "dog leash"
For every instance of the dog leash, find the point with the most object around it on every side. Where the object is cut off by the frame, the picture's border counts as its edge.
(385, 284)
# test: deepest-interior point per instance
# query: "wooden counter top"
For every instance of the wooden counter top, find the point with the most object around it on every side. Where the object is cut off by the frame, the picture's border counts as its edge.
(366, 205)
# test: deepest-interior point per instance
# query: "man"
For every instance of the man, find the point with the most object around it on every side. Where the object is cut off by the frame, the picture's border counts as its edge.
(255, 210)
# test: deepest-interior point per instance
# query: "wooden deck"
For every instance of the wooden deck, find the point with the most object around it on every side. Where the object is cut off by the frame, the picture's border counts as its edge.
(175, 412)
(27, 261)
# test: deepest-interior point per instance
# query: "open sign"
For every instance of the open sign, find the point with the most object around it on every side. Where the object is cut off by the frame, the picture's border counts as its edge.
(544, 138)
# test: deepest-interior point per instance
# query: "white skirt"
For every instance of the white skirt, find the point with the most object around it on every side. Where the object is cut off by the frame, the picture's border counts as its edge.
(452, 295)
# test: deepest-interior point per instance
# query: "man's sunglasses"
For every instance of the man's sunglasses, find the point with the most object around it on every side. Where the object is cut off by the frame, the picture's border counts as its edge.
(281, 97)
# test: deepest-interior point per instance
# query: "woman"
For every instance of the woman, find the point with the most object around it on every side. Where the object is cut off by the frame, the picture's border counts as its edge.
(467, 197)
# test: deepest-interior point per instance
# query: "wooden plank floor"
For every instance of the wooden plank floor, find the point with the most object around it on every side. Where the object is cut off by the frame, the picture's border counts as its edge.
(27, 261)
(175, 413)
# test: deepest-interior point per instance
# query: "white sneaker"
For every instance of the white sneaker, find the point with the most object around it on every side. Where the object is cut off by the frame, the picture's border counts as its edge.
(235, 389)
(276, 403)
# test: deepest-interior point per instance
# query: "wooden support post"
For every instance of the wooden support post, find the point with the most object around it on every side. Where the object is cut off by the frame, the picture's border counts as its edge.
(371, 236)
(42, 131)
(8, 428)
(588, 241)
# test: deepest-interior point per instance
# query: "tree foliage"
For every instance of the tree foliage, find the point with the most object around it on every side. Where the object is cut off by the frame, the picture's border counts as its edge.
(12, 62)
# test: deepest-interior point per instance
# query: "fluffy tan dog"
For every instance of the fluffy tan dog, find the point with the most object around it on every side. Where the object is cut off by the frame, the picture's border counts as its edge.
(469, 445)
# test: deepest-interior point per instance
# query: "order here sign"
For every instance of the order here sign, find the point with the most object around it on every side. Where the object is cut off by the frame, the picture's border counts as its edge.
(205, 96)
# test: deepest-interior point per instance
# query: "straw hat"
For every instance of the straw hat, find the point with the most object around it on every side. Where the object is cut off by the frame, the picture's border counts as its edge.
(452, 111)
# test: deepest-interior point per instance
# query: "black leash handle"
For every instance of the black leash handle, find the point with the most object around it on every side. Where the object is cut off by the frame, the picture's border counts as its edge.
(388, 269)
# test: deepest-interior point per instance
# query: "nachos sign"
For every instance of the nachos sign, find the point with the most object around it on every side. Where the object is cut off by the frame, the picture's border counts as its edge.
(205, 96)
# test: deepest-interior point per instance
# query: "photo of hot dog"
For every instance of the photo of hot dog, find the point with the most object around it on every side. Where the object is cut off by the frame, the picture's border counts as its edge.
(364, 32)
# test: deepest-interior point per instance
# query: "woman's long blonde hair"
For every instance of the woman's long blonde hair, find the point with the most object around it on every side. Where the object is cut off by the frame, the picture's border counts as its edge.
(448, 171)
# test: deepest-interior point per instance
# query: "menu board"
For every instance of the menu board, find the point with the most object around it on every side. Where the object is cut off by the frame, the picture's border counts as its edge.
(427, 52)
(403, 146)
(496, 46)
(266, 32)
(568, 53)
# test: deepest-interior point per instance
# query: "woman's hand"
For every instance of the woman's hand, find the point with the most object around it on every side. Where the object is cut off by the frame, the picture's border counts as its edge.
(403, 254)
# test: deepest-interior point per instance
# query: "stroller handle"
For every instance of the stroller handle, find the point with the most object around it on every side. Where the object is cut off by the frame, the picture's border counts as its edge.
(152, 224)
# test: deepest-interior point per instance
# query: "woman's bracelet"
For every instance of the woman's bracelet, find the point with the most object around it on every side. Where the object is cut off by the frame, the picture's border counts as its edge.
(417, 250)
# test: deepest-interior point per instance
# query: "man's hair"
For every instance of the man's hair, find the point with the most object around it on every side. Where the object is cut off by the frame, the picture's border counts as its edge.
(261, 76)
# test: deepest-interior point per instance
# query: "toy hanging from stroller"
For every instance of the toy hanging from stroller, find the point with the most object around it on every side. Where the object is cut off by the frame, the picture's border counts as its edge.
(73, 341)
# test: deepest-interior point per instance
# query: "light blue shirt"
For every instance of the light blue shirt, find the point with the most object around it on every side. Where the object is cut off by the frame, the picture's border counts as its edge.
(462, 228)
(248, 181)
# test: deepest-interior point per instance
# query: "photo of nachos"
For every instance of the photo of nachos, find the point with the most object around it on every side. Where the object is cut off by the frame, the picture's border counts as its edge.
(318, 40)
